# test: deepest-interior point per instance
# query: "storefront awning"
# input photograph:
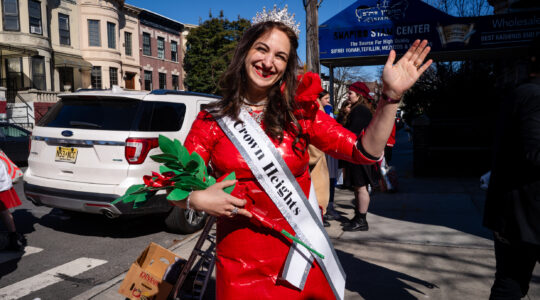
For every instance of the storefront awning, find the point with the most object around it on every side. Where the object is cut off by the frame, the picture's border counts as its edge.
(366, 31)
(64, 60)
(10, 51)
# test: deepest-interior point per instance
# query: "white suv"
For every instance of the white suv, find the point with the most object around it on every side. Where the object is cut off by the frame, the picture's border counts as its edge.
(93, 145)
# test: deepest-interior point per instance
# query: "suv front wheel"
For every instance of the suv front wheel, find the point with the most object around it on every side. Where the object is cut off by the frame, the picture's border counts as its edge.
(185, 221)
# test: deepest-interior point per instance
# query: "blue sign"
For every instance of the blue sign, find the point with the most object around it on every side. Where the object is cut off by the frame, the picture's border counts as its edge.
(370, 28)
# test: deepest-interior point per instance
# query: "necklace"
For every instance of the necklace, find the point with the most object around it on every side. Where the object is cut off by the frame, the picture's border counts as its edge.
(256, 115)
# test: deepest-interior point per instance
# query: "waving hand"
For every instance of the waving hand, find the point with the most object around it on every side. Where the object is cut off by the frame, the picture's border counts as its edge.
(399, 77)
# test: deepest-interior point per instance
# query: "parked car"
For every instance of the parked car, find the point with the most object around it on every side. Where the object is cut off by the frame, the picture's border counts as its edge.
(14, 141)
(93, 145)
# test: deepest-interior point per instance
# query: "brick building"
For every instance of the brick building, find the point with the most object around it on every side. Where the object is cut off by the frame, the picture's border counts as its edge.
(161, 52)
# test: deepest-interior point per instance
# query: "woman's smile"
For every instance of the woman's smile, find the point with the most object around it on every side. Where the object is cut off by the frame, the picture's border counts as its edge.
(263, 73)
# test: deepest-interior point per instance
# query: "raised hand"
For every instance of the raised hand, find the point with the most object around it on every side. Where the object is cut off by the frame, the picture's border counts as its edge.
(399, 77)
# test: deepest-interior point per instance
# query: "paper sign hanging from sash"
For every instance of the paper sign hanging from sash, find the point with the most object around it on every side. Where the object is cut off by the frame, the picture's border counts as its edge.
(281, 186)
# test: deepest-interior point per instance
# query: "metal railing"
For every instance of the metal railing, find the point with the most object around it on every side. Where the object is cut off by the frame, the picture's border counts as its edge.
(25, 120)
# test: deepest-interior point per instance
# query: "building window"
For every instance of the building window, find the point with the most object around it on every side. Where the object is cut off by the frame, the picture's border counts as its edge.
(38, 73)
(146, 45)
(162, 81)
(113, 76)
(127, 43)
(66, 79)
(175, 85)
(11, 15)
(174, 51)
(63, 27)
(148, 80)
(161, 47)
(111, 35)
(93, 33)
(96, 78)
(34, 12)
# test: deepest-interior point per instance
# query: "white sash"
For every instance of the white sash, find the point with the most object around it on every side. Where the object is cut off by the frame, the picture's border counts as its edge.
(281, 186)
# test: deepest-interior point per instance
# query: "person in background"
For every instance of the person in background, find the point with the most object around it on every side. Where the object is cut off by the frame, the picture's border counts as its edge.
(390, 145)
(360, 176)
(512, 208)
(324, 101)
(343, 114)
(318, 168)
(8, 200)
(331, 213)
(344, 111)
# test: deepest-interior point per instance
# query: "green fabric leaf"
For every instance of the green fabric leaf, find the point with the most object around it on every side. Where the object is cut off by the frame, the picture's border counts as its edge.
(140, 199)
(231, 176)
(174, 165)
(141, 190)
(177, 195)
(164, 158)
(166, 145)
(128, 198)
(160, 188)
(129, 195)
(163, 169)
(201, 169)
(192, 182)
(210, 181)
(134, 188)
(192, 165)
(182, 153)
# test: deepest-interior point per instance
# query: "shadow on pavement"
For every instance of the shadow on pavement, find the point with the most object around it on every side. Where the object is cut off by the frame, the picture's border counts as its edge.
(452, 202)
(371, 281)
(90, 225)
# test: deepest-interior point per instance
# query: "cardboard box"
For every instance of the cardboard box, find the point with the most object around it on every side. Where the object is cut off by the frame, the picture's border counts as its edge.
(144, 279)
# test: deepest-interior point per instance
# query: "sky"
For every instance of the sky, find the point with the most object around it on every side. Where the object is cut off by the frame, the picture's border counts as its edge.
(193, 11)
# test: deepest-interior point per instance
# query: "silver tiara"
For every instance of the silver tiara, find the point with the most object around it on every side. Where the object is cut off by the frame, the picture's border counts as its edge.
(276, 15)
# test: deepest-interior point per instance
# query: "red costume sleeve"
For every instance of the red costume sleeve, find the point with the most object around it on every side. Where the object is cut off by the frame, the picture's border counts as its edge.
(325, 133)
(332, 138)
(200, 138)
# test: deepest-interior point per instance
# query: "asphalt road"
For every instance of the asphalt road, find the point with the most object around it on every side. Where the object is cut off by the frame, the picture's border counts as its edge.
(67, 254)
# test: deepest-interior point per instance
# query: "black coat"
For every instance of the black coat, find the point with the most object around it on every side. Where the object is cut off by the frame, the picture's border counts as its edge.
(358, 118)
(513, 198)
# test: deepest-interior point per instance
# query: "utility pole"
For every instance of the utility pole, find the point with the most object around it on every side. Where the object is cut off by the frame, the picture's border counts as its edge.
(312, 35)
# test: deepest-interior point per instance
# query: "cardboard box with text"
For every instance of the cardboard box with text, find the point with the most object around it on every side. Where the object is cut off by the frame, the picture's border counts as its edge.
(144, 279)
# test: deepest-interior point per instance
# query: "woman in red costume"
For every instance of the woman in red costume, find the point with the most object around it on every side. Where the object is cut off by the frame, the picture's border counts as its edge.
(262, 80)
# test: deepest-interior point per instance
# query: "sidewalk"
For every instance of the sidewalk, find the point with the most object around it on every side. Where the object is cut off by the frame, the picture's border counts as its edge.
(425, 241)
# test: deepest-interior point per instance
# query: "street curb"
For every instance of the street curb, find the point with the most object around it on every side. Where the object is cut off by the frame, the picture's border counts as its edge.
(101, 288)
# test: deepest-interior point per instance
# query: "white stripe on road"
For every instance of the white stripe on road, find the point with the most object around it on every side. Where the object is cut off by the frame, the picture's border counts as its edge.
(7, 256)
(43, 280)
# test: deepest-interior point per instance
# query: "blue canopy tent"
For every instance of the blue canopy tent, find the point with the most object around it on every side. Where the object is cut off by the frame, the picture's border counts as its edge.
(366, 31)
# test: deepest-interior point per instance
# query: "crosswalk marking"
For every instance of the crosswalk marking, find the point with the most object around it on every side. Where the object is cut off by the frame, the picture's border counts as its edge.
(40, 281)
(7, 256)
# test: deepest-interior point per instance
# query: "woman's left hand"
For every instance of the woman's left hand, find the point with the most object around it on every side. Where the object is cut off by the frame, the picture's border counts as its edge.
(398, 78)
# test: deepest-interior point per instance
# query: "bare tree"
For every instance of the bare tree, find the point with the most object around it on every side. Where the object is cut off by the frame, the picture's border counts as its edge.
(462, 8)
(343, 77)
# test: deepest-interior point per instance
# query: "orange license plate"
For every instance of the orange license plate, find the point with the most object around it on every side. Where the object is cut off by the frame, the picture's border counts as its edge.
(66, 154)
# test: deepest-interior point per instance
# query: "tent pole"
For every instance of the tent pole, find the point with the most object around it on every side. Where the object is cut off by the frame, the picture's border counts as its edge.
(331, 88)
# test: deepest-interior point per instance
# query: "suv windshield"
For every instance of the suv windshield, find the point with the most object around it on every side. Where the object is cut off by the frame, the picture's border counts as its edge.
(94, 113)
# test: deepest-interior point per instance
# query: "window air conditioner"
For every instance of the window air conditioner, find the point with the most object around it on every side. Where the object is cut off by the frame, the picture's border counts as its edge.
(35, 29)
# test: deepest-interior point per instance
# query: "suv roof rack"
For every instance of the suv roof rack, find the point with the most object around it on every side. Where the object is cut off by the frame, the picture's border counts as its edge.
(187, 93)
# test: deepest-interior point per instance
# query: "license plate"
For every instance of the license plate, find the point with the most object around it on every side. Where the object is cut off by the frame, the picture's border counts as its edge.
(66, 154)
